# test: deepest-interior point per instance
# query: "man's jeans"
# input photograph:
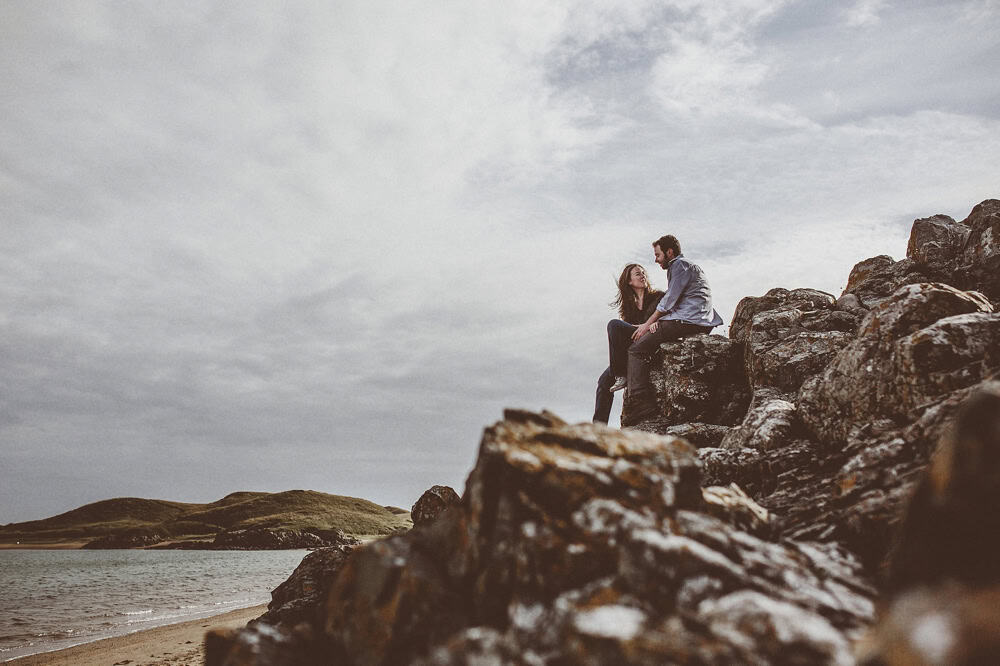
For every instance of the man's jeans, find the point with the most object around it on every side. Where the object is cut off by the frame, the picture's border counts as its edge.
(619, 339)
(639, 388)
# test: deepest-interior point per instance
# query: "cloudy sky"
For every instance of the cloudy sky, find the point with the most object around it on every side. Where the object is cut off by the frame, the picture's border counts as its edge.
(264, 246)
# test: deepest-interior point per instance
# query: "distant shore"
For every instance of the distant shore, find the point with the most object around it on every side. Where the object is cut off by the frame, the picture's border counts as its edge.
(181, 643)
(58, 545)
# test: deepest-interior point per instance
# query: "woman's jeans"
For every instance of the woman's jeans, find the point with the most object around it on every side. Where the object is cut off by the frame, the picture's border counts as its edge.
(619, 339)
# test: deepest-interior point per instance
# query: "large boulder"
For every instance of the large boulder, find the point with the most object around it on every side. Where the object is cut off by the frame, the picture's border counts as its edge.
(979, 259)
(790, 335)
(963, 254)
(300, 598)
(936, 240)
(431, 503)
(910, 350)
(874, 280)
(770, 425)
(697, 379)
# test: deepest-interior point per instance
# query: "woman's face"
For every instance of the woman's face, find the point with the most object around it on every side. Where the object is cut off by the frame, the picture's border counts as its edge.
(637, 278)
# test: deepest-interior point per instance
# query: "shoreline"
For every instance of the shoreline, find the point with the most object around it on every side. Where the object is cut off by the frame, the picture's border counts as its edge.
(51, 545)
(169, 644)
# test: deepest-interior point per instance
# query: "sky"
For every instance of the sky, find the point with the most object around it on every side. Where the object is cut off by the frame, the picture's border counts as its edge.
(264, 246)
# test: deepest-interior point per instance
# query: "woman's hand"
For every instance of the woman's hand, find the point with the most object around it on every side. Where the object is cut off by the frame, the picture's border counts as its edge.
(641, 331)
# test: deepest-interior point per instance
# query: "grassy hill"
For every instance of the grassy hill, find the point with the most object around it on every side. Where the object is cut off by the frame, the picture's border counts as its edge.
(292, 509)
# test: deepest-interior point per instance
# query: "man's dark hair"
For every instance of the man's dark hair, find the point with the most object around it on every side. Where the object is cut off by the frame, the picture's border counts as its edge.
(668, 241)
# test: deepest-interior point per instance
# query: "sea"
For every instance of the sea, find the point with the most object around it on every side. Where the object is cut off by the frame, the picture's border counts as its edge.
(53, 599)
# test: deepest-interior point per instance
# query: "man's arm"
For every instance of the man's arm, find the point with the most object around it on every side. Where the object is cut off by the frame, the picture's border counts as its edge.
(680, 276)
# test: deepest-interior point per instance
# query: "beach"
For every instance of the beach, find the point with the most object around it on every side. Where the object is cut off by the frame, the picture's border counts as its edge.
(173, 644)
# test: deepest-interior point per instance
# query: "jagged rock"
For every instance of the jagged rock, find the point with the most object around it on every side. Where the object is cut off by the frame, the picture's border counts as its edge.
(790, 335)
(697, 434)
(434, 500)
(770, 425)
(850, 303)
(904, 357)
(980, 257)
(698, 379)
(748, 468)
(733, 506)
(263, 644)
(874, 280)
(804, 300)
(936, 240)
(789, 362)
(123, 541)
(964, 254)
(299, 598)
(262, 538)
(584, 544)
(390, 602)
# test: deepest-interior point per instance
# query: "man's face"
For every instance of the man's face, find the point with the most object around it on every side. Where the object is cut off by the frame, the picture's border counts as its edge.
(662, 259)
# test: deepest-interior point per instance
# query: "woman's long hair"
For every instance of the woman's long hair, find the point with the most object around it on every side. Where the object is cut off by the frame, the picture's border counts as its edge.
(628, 310)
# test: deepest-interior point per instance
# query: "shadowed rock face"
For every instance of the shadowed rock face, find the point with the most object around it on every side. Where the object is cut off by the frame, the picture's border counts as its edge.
(936, 240)
(814, 425)
(979, 259)
(430, 505)
(790, 335)
(912, 349)
(697, 379)
(300, 598)
(943, 588)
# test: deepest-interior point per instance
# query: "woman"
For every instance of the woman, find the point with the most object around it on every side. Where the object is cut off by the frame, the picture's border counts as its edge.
(636, 301)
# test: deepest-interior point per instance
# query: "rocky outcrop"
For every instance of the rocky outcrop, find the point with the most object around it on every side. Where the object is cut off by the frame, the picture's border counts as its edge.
(920, 344)
(874, 280)
(430, 505)
(936, 241)
(756, 519)
(963, 254)
(979, 260)
(697, 379)
(263, 538)
(268, 539)
(790, 335)
(583, 544)
(301, 597)
(124, 540)
(771, 425)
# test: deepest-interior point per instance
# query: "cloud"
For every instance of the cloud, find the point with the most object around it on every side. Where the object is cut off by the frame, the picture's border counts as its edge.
(865, 13)
(323, 245)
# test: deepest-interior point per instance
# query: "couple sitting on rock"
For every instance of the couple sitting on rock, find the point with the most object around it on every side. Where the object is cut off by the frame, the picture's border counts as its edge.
(649, 318)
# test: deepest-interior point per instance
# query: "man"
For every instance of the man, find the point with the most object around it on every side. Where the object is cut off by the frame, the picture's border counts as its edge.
(685, 310)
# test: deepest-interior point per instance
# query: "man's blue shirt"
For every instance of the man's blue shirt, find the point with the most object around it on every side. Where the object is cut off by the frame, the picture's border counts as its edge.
(688, 297)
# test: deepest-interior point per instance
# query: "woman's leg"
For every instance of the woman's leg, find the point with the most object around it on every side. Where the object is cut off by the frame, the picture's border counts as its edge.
(619, 338)
(605, 398)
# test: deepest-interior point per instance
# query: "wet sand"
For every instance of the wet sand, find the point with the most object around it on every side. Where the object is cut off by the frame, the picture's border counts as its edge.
(171, 645)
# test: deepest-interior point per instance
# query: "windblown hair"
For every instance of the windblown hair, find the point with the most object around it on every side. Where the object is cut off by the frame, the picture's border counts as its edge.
(628, 310)
(668, 241)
